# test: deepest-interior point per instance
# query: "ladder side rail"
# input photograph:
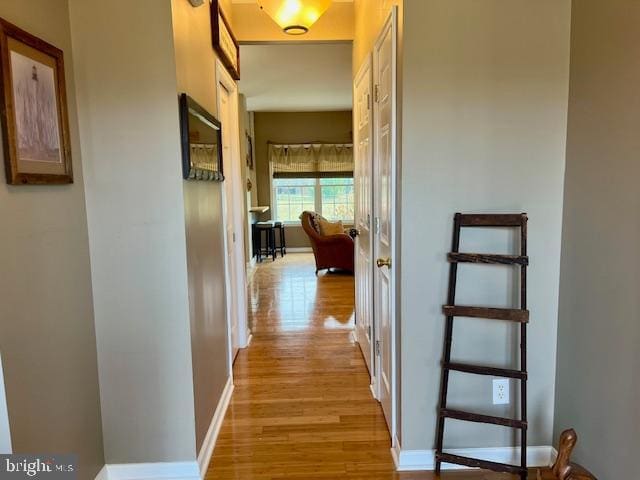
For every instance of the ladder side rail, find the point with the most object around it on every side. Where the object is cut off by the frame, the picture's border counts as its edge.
(523, 348)
(451, 298)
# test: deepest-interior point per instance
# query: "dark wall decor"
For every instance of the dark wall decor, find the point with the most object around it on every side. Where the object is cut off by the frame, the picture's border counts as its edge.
(201, 142)
(249, 151)
(33, 103)
(224, 42)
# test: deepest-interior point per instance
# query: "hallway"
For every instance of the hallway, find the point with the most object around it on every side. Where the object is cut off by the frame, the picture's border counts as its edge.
(302, 408)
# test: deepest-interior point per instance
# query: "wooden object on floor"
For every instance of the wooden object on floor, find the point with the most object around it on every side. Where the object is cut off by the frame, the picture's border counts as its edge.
(520, 316)
(564, 468)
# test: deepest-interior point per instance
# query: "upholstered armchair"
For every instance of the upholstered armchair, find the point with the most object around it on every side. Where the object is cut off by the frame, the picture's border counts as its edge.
(330, 251)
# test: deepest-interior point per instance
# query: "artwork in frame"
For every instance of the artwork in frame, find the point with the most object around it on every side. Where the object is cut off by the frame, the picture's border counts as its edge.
(224, 42)
(35, 124)
(201, 141)
(249, 151)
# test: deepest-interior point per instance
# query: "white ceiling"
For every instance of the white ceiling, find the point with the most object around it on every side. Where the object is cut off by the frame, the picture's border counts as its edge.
(296, 77)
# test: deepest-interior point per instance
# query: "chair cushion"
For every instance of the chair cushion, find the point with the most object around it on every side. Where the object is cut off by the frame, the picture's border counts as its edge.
(330, 228)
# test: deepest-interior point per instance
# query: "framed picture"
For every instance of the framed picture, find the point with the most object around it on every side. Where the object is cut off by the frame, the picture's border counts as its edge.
(201, 140)
(224, 43)
(249, 151)
(35, 124)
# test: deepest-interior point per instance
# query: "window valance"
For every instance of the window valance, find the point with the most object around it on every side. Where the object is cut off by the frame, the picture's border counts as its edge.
(311, 160)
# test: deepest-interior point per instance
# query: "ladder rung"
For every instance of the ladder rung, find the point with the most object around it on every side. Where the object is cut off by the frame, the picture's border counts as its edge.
(508, 314)
(455, 257)
(482, 370)
(476, 417)
(493, 220)
(474, 462)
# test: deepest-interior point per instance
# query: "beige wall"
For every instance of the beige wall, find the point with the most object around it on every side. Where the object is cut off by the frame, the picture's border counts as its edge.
(250, 24)
(485, 94)
(195, 69)
(294, 127)
(598, 333)
(369, 18)
(47, 336)
(126, 87)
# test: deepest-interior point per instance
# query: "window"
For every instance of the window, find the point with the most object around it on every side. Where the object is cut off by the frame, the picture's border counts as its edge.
(332, 198)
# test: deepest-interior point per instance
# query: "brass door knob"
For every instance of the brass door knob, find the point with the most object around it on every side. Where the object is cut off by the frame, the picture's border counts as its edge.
(383, 262)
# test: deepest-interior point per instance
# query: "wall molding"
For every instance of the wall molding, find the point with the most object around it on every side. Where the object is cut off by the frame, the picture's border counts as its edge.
(150, 471)
(204, 456)
(424, 460)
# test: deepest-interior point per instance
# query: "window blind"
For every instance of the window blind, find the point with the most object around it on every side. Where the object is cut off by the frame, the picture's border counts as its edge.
(311, 160)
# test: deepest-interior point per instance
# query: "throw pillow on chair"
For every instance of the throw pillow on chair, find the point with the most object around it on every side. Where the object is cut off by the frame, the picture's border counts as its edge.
(330, 228)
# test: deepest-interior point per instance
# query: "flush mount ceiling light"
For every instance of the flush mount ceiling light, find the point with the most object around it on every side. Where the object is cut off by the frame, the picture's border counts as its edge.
(295, 17)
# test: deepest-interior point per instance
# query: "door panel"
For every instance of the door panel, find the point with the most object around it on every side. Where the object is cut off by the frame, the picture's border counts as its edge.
(232, 273)
(383, 210)
(363, 248)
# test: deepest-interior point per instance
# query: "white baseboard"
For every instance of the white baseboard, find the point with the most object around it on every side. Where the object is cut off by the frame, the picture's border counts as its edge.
(204, 456)
(5, 432)
(102, 474)
(424, 460)
(150, 471)
(194, 470)
(299, 250)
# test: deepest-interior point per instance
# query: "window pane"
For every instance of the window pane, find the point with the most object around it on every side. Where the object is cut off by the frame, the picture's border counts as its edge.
(294, 182)
(337, 198)
(336, 181)
(292, 197)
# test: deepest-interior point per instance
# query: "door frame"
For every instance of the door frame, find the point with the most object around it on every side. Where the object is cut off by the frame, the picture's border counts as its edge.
(224, 80)
(367, 67)
(390, 24)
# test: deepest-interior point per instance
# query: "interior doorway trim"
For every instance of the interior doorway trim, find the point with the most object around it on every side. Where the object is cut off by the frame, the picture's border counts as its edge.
(234, 182)
(390, 27)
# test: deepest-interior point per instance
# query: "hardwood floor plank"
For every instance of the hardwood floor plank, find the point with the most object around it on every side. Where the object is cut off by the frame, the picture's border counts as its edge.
(302, 408)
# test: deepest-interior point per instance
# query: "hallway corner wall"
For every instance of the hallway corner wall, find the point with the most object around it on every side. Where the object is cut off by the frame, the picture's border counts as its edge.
(47, 334)
(204, 223)
(484, 122)
(597, 386)
(130, 142)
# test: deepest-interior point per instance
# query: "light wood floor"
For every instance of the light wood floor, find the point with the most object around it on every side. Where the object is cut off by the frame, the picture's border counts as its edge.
(302, 408)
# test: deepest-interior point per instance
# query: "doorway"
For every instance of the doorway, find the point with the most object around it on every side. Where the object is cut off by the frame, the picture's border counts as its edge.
(234, 217)
(375, 128)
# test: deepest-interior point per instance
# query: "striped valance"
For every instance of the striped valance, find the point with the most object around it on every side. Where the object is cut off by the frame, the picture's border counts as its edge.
(311, 160)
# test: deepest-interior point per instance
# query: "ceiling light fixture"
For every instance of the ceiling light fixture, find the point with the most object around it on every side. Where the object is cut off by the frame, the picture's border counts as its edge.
(295, 17)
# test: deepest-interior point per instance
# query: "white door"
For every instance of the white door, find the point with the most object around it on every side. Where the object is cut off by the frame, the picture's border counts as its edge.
(384, 117)
(224, 104)
(362, 118)
(234, 212)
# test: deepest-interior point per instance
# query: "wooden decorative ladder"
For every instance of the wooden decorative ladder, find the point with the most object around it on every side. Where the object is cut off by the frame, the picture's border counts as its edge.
(521, 316)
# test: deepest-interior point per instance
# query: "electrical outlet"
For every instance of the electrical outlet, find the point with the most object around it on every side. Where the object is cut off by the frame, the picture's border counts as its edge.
(500, 391)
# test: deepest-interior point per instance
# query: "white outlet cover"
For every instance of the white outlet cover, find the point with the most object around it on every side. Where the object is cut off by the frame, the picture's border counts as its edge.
(500, 391)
